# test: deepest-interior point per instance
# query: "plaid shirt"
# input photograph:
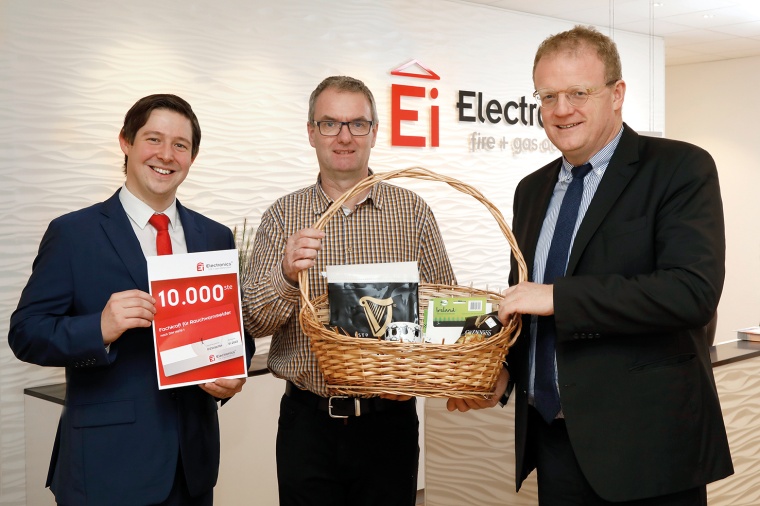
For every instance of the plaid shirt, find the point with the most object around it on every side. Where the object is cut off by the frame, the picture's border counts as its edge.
(391, 225)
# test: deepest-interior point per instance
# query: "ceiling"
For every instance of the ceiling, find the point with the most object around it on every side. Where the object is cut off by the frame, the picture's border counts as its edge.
(694, 31)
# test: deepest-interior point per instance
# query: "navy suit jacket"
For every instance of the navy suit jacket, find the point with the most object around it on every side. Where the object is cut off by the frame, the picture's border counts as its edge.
(119, 437)
(644, 277)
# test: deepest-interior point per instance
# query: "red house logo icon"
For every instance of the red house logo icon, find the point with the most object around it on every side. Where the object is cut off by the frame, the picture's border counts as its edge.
(398, 114)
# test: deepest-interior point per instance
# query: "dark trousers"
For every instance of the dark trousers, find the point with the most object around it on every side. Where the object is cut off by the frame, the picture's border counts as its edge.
(369, 460)
(562, 483)
(179, 495)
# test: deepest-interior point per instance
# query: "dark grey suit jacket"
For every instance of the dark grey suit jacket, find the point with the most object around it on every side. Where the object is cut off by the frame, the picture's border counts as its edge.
(644, 277)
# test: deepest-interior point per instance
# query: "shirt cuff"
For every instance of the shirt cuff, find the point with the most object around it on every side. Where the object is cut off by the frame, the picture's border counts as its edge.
(282, 286)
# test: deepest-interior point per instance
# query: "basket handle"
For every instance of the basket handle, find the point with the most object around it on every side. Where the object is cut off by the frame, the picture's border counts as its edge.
(417, 173)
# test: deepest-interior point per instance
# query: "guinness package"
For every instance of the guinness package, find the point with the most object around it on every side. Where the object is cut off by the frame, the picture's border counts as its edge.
(479, 328)
(447, 316)
(375, 300)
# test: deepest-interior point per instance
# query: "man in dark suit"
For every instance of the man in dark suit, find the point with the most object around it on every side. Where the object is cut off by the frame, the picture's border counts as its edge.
(616, 401)
(121, 440)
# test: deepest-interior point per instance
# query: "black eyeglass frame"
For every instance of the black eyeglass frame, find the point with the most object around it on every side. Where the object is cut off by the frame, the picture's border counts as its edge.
(347, 124)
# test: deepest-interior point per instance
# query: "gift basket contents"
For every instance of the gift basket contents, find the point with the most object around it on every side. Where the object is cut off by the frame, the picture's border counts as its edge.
(380, 301)
(375, 300)
(460, 320)
(379, 329)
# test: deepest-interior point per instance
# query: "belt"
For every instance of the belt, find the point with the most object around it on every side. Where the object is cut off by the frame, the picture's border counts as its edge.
(343, 406)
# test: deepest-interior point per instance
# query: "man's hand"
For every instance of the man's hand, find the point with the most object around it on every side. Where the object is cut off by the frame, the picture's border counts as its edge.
(527, 298)
(468, 404)
(223, 388)
(301, 252)
(126, 310)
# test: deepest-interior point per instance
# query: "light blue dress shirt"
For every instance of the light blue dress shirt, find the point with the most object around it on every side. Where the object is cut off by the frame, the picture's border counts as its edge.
(599, 163)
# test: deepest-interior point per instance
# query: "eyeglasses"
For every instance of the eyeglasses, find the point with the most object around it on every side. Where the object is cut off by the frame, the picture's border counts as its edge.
(575, 95)
(356, 127)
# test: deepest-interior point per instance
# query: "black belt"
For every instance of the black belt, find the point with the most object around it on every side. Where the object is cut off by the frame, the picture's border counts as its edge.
(342, 406)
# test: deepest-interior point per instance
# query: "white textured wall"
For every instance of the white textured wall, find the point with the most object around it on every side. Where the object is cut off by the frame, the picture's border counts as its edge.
(707, 105)
(69, 70)
(738, 385)
(470, 458)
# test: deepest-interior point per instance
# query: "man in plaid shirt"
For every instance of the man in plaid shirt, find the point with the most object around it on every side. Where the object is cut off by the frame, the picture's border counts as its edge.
(328, 451)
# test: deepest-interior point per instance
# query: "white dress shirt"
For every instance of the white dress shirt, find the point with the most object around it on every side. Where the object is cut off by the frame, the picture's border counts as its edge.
(139, 213)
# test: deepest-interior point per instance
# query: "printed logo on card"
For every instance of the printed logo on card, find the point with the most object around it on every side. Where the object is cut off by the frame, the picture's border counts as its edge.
(379, 313)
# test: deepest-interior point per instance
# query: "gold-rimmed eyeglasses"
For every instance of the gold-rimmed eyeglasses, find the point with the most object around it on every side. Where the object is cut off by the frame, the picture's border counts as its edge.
(575, 95)
(357, 127)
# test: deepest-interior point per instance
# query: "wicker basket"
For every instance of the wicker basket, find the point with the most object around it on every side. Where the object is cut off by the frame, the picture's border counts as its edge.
(362, 367)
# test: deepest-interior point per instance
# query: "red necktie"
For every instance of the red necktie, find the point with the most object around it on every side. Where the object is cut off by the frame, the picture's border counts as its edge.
(163, 242)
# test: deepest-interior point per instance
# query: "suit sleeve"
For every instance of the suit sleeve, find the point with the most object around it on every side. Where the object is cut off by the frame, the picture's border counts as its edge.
(46, 329)
(663, 268)
(518, 353)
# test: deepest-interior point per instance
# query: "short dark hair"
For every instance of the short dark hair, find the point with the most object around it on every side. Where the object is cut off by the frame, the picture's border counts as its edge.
(342, 83)
(578, 39)
(139, 113)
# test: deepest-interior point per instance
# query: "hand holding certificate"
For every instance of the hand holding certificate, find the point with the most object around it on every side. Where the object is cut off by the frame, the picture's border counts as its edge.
(197, 328)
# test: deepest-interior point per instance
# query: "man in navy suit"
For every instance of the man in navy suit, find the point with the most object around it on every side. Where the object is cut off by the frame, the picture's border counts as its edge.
(627, 411)
(121, 440)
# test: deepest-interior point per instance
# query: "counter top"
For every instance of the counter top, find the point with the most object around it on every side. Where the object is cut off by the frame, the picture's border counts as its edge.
(733, 351)
(720, 354)
(57, 392)
(53, 393)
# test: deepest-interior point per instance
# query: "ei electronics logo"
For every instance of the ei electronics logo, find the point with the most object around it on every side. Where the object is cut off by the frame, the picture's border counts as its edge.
(415, 115)
(399, 115)
(199, 267)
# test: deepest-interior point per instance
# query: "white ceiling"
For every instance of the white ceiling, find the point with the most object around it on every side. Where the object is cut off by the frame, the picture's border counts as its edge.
(693, 30)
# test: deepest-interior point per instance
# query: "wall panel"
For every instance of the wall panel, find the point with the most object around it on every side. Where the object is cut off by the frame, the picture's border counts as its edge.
(71, 69)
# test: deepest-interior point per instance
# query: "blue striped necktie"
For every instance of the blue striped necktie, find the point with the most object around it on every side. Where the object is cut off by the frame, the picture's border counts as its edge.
(546, 395)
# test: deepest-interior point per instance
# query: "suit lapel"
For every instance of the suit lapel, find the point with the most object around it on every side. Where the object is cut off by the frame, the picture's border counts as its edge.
(541, 196)
(119, 231)
(194, 236)
(618, 174)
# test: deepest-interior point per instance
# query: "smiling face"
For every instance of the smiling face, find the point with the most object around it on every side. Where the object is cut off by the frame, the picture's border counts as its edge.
(343, 157)
(159, 158)
(579, 132)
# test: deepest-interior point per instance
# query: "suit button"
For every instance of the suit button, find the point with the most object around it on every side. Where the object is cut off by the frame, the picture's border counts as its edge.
(597, 335)
(583, 335)
(575, 336)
